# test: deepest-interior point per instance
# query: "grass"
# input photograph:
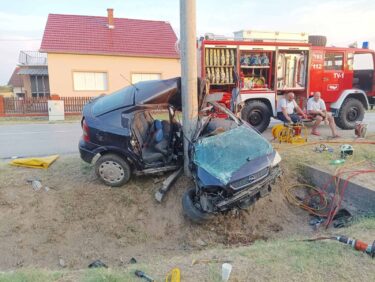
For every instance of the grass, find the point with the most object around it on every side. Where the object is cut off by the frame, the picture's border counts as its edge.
(288, 259)
(296, 155)
(30, 275)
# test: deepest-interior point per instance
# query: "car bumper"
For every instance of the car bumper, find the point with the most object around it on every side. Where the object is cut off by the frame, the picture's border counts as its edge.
(251, 191)
(86, 154)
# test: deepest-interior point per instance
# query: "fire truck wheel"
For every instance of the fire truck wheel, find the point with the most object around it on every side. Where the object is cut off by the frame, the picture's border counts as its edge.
(318, 40)
(257, 114)
(351, 111)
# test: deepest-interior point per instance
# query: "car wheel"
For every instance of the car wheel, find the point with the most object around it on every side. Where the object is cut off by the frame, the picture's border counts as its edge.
(112, 170)
(257, 114)
(350, 112)
(191, 208)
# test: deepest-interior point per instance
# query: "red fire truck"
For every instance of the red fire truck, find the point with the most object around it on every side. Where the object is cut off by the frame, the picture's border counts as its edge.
(259, 68)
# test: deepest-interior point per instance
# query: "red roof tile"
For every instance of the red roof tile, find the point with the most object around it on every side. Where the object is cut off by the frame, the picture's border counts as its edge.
(90, 35)
(16, 80)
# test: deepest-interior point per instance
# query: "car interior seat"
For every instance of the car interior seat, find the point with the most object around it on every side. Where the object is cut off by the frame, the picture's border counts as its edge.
(153, 140)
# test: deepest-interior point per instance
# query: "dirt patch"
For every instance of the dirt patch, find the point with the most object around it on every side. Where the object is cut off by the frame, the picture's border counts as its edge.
(79, 220)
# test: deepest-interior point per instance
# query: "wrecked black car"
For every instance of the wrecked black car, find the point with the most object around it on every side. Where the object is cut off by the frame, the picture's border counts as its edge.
(136, 130)
(133, 131)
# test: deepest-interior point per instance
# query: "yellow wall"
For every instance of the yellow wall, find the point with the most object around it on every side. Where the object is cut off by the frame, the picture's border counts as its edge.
(62, 66)
(7, 94)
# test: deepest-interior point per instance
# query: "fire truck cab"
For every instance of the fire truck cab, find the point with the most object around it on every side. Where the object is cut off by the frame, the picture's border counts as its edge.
(254, 69)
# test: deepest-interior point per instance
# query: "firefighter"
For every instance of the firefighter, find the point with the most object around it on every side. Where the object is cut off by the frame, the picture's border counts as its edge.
(287, 108)
(317, 109)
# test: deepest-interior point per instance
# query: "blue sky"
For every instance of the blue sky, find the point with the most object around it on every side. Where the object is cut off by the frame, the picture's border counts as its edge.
(342, 21)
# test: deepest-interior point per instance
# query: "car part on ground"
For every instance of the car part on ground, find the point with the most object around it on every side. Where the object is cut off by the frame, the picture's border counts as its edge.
(143, 275)
(97, 264)
(167, 184)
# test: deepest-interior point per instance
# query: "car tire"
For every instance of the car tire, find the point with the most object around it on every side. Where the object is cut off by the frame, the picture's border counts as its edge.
(318, 40)
(190, 209)
(351, 111)
(112, 170)
(257, 114)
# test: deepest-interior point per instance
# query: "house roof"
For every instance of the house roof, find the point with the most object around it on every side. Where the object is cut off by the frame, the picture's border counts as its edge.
(91, 35)
(34, 71)
(16, 80)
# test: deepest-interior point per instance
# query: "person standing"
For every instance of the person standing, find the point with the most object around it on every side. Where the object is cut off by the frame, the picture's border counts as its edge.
(288, 110)
(317, 109)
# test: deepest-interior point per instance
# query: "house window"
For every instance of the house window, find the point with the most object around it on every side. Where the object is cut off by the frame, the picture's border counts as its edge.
(333, 61)
(39, 86)
(90, 81)
(137, 77)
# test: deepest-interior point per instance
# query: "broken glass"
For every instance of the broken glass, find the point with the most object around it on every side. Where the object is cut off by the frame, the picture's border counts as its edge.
(222, 155)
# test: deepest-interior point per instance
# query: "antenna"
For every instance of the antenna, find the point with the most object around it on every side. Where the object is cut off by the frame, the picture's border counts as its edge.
(128, 81)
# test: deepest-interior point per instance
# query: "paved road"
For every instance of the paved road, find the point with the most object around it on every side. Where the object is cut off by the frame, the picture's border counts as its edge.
(39, 139)
(45, 139)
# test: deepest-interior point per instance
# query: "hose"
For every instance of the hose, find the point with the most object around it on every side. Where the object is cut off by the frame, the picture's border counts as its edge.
(323, 195)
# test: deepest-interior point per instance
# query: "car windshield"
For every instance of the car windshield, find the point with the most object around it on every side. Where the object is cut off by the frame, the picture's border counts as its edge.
(224, 154)
(121, 98)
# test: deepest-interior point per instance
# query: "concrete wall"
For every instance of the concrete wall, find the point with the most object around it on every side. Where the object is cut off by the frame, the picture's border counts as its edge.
(358, 199)
(62, 66)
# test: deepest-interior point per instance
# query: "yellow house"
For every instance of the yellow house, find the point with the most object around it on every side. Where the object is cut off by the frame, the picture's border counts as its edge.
(90, 55)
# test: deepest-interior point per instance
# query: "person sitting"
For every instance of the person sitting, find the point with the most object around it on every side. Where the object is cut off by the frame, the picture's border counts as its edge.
(317, 109)
(287, 108)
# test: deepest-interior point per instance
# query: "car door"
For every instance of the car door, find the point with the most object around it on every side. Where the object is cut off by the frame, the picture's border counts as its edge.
(333, 75)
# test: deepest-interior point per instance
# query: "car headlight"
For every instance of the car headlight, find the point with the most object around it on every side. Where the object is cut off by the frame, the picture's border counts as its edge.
(276, 159)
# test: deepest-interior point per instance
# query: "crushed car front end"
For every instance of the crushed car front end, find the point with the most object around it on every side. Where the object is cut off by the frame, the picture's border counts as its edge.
(233, 166)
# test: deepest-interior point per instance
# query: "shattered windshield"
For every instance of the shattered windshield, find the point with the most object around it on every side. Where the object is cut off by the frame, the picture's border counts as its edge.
(222, 155)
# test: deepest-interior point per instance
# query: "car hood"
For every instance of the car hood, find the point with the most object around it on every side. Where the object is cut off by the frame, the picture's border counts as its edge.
(232, 154)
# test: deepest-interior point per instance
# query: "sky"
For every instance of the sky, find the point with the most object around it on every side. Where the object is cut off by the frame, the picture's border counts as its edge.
(22, 22)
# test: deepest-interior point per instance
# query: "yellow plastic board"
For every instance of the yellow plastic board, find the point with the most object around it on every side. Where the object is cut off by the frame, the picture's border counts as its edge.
(43, 162)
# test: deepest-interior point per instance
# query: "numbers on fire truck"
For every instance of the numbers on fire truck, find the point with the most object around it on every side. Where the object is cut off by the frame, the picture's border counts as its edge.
(318, 56)
(338, 75)
(317, 66)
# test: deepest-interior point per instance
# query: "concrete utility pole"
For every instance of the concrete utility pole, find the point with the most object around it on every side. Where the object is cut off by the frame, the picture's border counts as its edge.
(188, 73)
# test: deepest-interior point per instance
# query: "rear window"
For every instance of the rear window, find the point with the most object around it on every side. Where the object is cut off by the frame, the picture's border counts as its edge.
(116, 100)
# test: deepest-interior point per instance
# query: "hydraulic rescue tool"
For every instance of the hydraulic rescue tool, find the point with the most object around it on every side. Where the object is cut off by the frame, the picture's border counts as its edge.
(294, 133)
(355, 243)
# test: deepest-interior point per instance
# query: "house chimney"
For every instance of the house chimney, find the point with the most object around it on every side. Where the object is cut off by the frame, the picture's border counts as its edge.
(111, 22)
